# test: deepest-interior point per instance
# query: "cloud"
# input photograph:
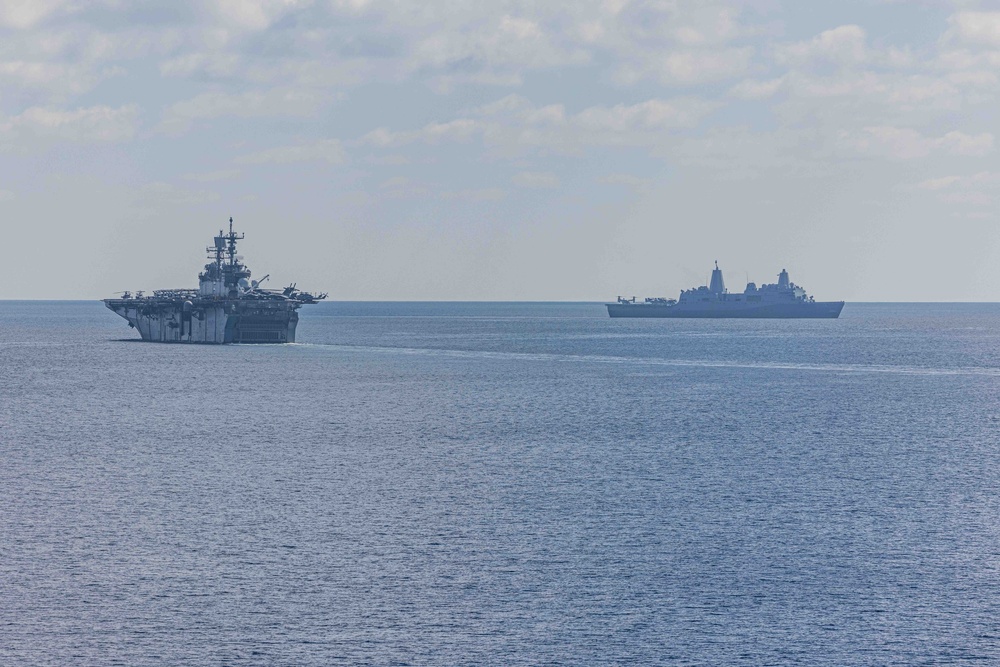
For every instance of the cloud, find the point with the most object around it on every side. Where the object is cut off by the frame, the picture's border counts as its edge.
(327, 150)
(52, 65)
(212, 176)
(980, 28)
(628, 180)
(252, 15)
(84, 125)
(6, 195)
(704, 24)
(513, 122)
(920, 90)
(306, 71)
(388, 160)
(886, 141)
(844, 45)
(756, 90)
(158, 194)
(690, 67)
(26, 14)
(256, 104)
(938, 183)
(473, 194)
(497, 46)
(250, 47)
(652, 114)
(402, 187)
(742, 152)
(980, 179)
(535, 179)
(216, 65)
(978, 190)
(907, 143)
(959, 143)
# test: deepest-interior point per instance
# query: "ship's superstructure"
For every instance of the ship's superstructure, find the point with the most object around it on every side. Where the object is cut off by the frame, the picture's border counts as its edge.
(227, 307)
(783, 299)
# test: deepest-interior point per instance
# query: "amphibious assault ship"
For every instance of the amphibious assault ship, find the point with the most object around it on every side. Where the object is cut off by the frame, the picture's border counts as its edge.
(782, 300)
(227, 307)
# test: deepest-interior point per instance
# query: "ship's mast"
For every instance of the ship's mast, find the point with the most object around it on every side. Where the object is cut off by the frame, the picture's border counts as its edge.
(231, 239)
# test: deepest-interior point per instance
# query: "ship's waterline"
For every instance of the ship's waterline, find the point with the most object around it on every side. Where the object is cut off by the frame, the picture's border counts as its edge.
(227, 307)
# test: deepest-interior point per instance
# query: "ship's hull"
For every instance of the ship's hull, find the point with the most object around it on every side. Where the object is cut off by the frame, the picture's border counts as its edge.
(209, 320)
(718, 310)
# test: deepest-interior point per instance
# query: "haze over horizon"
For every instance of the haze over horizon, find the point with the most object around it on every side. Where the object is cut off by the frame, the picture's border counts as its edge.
(502, 150)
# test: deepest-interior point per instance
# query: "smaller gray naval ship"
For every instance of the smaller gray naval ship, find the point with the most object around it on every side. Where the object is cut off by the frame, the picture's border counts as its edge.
(784, 299)
(227, 307)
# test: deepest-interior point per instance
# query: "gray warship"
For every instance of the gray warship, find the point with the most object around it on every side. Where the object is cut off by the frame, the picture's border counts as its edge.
(782, 300)
(227, 307)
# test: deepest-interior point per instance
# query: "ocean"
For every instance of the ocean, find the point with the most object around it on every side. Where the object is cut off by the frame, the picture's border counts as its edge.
(503, 484)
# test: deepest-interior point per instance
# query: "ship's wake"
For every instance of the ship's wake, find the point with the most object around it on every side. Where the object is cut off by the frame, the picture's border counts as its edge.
(662, 362)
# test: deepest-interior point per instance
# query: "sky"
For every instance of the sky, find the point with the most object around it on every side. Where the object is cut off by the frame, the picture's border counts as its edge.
(493, 150)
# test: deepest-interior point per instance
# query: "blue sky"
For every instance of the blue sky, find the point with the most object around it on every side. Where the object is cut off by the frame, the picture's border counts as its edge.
(502, 150)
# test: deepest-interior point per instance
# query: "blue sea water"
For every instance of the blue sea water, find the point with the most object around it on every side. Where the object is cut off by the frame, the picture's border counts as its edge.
(506, 484)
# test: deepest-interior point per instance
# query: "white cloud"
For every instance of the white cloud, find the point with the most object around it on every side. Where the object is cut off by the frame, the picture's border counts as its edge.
(629, 180)
(253, 14)
(700, 67)
(328, 150)
(895, 142)
(212, 176)
(535, 179)
(460, 129)
(920, 90)
(53, 65)
(402, 187)
(652, 114)
(381, 137)
(907, 143)
(514, 123)
(60, 78)
(707, 25)
(473, 194)
(520, 28)
(214, 64)
(844, 45)
(351, 6)
(741, 152)
(959, 143)
(976, 27)
(274, 102)
(990, 179)
(495, 45)
(756, 90)
(152, 196)
(91, 124)
(970, 198)
(974, 79)
(978, 190)
(6, 195)
(938, 183)
(388, 160)
(25, 14)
